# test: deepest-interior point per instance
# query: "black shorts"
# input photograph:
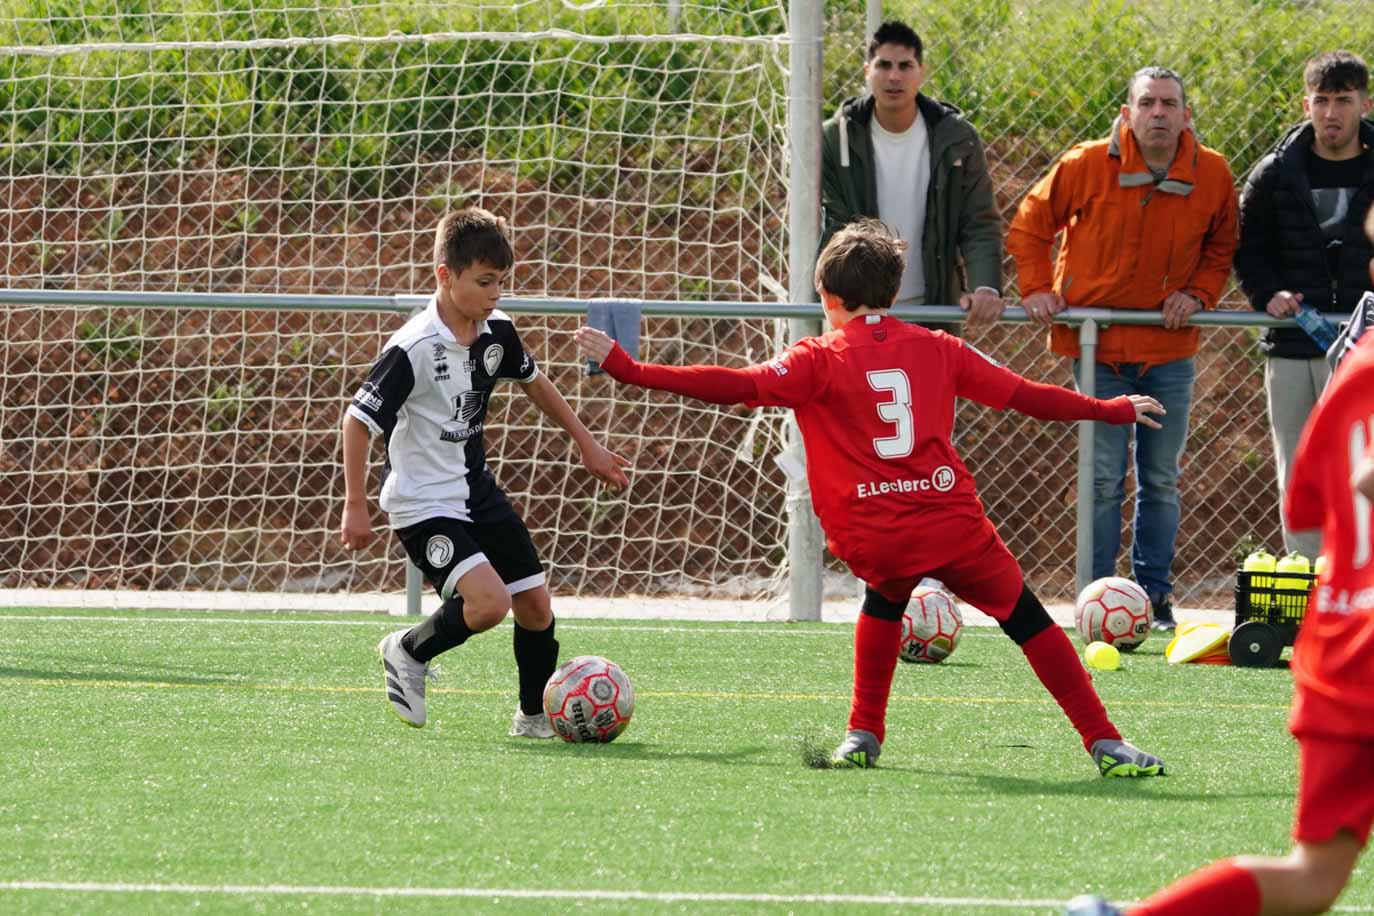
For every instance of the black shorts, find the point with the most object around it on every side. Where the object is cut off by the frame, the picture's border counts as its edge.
(446, 548)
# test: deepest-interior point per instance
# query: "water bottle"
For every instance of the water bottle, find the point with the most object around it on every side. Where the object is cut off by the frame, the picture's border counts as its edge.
(1322, 331)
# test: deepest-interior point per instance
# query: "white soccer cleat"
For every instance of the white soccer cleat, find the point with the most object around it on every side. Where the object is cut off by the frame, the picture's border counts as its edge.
(1088, 905)
(405, 680)
(536, 726)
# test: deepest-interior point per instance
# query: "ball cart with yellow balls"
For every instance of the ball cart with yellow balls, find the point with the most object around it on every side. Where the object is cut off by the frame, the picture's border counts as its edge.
(1271, 598)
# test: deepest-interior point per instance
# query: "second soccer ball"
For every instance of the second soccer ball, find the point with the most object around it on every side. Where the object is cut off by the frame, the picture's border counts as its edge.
(930, 626)
(589, 699)
(1115, 611)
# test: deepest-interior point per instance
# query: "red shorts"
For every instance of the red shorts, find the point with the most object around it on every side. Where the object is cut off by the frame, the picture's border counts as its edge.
(984, 575)
(1334, 789)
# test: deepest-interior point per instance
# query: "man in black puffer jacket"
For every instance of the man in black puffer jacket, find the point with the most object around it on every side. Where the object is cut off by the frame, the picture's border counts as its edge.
(1302, 243)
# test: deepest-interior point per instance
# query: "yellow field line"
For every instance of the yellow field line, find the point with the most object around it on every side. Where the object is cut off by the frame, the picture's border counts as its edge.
(655, 694)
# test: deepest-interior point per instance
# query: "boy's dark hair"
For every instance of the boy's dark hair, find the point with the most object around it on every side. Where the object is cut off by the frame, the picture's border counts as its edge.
(893, 32)
(862, 264)
(472, 234)
(1336, 71)
(1157, 73)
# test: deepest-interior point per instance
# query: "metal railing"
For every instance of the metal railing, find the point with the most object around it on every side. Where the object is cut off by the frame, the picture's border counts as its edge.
(804, 601)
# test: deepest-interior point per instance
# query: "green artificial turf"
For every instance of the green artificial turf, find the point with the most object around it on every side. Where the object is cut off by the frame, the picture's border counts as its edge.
(252, 751)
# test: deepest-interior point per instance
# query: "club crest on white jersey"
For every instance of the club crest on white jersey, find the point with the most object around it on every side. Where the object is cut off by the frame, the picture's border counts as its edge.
(491, 360)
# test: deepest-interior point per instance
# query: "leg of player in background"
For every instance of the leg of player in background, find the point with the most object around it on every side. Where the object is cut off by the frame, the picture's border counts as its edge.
(1308, 880)
(536, 658)
(1331, 825)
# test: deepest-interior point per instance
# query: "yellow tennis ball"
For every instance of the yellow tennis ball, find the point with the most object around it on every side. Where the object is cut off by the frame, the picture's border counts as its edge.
(1101, 656)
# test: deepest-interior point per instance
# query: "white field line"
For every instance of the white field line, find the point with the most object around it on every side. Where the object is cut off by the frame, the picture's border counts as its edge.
(294, 890)
(517, 893)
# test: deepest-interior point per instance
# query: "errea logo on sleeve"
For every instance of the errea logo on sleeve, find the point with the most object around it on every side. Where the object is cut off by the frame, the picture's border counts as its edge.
(778, 366)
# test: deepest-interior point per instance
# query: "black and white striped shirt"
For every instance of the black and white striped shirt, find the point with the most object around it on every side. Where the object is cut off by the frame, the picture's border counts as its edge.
(428, 396)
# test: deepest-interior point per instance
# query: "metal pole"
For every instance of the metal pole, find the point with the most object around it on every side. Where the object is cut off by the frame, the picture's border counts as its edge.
(414, 584)
(1087, 385)
(874, 19)
(804, 545)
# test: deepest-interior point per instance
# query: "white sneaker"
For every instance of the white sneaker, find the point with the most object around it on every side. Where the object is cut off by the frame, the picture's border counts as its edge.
(405, 679)
(523, 726)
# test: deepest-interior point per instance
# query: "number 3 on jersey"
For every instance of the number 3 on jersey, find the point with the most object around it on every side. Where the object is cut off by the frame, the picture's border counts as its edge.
(897, 411)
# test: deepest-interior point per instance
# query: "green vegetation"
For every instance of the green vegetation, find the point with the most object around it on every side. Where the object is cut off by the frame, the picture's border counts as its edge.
(355, 119)
(111, 339)
(1037, 76)
(217, 749)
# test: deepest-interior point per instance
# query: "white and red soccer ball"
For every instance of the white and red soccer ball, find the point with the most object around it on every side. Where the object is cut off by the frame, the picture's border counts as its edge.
(589, 699)
(930, 626)
(1115, 611)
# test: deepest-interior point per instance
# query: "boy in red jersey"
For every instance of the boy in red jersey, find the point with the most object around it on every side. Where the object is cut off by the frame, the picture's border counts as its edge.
(1333, 670)
(874, 399)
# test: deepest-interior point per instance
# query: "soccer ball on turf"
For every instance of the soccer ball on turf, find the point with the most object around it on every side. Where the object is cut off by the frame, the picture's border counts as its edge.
(930, 626)
(1115, 611)
(589, 699)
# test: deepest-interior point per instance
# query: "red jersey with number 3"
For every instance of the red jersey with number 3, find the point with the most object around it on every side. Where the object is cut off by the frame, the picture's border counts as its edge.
(875, 402)
(1333, 661)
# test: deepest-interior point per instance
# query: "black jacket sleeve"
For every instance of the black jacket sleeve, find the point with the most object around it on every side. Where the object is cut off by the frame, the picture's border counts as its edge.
(1257, 256)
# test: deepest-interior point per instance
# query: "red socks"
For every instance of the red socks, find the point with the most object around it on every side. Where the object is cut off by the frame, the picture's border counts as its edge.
(876, 643)
(1222, 887)
(1056, 663)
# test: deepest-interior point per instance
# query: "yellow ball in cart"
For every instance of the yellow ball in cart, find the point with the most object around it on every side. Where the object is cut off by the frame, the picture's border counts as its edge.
(1261, 561)
(1292, 563)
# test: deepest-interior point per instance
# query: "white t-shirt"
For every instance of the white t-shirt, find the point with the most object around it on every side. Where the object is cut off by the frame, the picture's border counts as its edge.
(902, 164)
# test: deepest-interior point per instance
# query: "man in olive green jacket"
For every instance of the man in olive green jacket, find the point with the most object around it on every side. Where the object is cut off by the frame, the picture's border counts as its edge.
(919, 166)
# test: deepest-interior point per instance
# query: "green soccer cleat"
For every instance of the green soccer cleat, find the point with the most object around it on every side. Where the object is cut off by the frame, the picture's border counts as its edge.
(858, 751)
(1117, 758)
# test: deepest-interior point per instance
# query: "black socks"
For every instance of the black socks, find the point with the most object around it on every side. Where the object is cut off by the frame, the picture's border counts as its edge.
(445, 629)
(536, 655)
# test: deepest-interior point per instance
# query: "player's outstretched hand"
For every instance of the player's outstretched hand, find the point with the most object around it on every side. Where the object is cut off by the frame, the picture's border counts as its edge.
(1144, 406)
(593, 344)
(604, 464)
(356, 532)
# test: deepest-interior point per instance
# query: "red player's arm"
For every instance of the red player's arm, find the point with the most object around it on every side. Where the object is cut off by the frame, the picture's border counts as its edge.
(1052, 402)
(715, 384)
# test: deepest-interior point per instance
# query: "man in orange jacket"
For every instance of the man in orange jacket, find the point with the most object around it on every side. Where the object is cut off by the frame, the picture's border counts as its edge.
(1148, 217)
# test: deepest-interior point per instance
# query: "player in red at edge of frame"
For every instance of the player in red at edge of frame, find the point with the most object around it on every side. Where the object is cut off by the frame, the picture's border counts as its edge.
(1333, 672)
(874, 399)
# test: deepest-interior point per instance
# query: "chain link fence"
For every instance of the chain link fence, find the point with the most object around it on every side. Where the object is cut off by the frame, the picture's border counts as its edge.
(1037, 76)
(635, 160)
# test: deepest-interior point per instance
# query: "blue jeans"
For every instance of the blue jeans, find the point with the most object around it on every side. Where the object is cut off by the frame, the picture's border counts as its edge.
(1157, 454)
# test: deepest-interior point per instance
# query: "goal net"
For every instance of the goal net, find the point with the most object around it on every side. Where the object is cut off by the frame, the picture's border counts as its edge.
(636, 148)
